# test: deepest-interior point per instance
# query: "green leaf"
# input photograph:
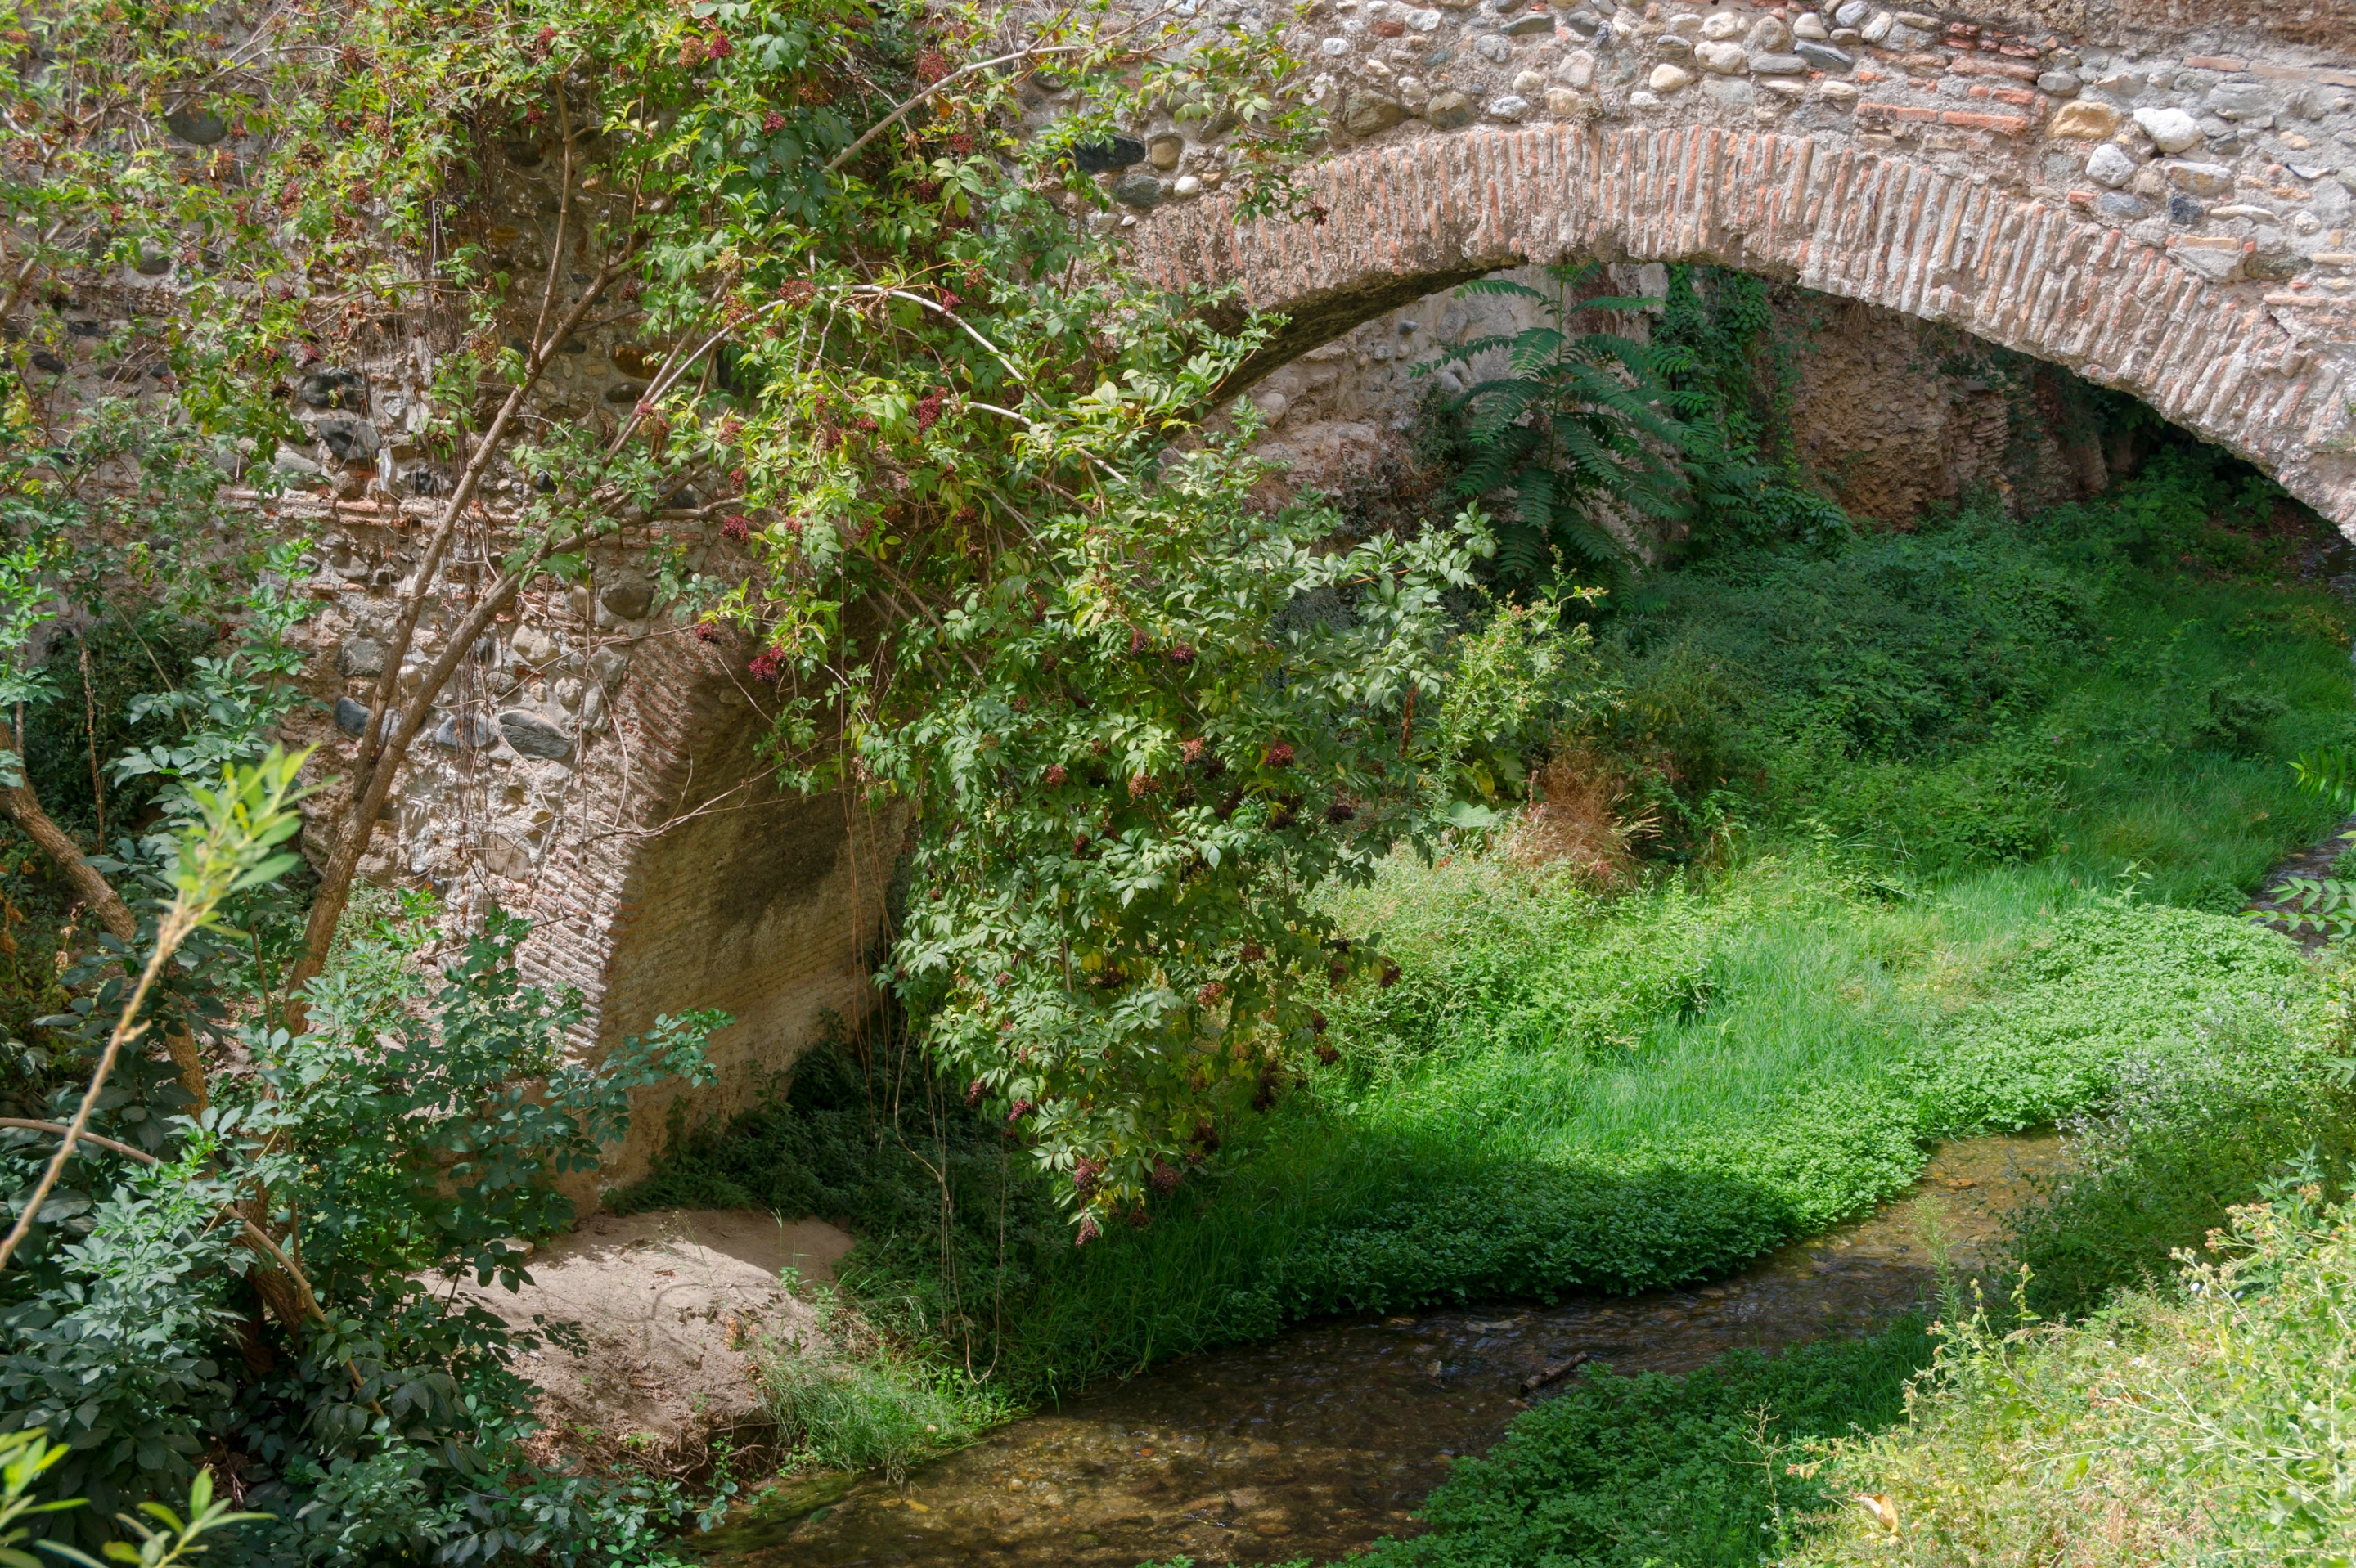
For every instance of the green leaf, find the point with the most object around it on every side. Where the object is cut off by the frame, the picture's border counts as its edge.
(1471, 817)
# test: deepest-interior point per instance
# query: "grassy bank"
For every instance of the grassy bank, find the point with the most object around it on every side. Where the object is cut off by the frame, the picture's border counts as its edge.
(1946, 827)
(2157, 1429)
(2201, 1423)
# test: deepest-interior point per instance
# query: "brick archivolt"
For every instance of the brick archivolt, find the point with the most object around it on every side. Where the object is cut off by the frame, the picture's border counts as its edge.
(2265, 374)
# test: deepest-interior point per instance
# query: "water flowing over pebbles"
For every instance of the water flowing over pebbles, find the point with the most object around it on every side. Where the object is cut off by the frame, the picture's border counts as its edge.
(1323, 1439)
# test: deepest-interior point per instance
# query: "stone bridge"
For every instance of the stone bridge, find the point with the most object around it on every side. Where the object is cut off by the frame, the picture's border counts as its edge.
(2156, 198)
(2163, 208)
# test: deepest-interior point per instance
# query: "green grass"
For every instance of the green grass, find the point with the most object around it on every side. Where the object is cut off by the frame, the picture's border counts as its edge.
(1997, 787)
(1651, 1471)
(1699, 1472)
(2202, 1423)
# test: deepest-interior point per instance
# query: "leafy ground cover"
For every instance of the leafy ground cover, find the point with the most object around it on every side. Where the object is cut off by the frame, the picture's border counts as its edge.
(1949, 824)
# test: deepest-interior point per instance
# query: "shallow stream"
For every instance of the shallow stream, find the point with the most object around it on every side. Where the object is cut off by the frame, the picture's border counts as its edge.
(1325, 1438)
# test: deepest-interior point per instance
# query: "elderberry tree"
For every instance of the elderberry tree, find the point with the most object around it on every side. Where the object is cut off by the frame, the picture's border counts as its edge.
(1005, 581)
(1135, 715)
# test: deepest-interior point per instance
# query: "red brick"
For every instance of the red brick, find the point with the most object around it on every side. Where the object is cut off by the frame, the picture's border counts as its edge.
(1972, 65)
(2002, 124)
(1897, 111)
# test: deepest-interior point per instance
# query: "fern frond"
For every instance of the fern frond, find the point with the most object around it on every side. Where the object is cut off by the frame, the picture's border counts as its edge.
(1471, 348)
(1534, 497)
(1535, 349)
(1499, 286)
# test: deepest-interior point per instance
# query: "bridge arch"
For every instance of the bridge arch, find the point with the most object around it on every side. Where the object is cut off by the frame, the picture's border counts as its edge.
(2235, 362)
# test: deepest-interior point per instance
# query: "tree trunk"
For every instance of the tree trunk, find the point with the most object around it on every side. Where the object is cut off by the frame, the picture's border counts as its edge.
(24, 808)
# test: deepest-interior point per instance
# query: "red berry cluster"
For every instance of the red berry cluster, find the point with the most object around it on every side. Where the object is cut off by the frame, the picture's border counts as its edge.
(1280, 754)
(705, 632)
(739, 527)
(928, 409)
(1085, 1172)
(931, 66)
(767, 664)
(772, 122)
(795, 291)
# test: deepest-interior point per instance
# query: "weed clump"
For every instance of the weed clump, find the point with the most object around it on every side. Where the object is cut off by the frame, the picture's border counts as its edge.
(853, 1398)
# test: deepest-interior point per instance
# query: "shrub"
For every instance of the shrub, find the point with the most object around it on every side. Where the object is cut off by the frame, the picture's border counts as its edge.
(2238, 717)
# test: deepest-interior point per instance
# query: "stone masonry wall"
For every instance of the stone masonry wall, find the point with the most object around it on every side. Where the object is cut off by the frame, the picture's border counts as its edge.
(596, 768)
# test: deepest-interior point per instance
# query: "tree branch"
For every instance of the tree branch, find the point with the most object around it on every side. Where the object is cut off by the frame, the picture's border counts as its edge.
(24, 809)
(389, 684)
(254, 1237)
(378, 757)
(368, 802)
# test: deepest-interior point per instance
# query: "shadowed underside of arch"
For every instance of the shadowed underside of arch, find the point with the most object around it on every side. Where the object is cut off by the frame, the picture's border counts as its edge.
(2257, 372)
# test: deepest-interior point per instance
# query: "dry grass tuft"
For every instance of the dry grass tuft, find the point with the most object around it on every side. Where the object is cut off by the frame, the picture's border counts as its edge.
(1575, 819)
